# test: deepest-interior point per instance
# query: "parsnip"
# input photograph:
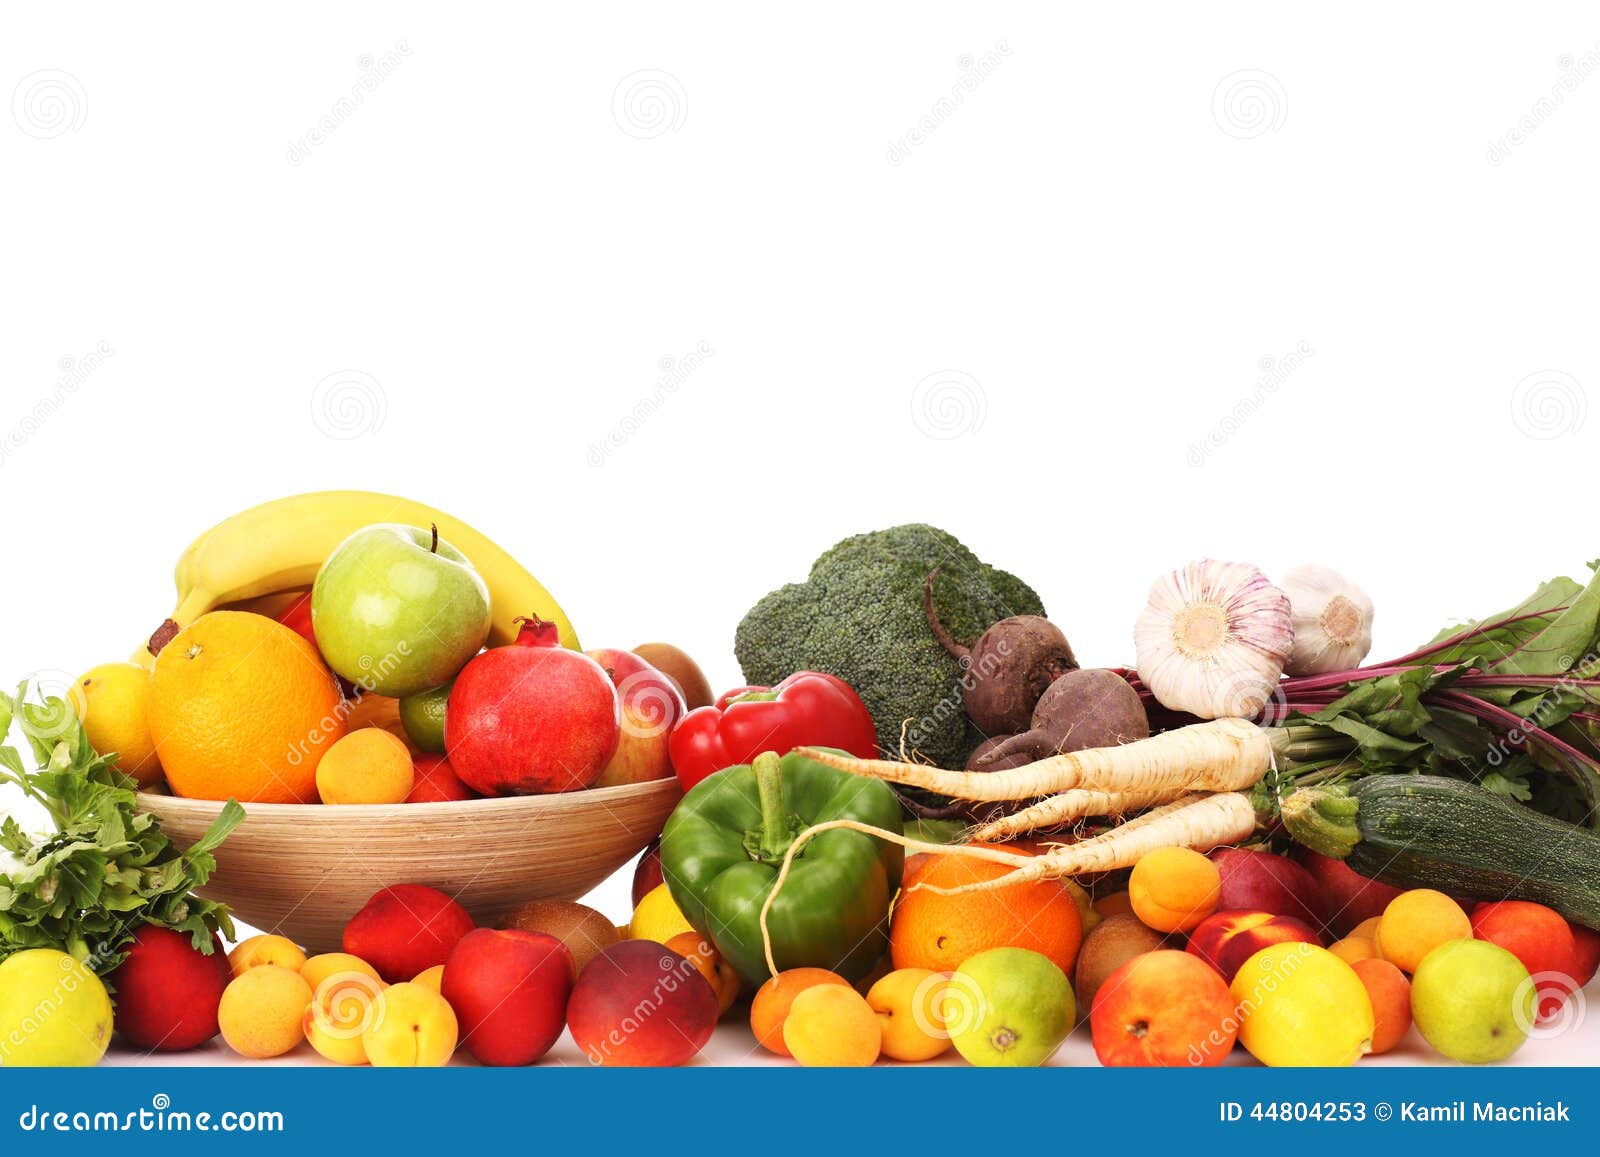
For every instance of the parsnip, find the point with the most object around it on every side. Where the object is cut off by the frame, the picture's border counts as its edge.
(1069, 806)
(1222, 755)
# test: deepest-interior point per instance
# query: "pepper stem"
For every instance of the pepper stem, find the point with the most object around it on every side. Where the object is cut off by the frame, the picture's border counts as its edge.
(1323, 819)
(775, 835)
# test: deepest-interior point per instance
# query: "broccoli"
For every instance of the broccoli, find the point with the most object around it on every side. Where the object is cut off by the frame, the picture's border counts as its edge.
(859, 616)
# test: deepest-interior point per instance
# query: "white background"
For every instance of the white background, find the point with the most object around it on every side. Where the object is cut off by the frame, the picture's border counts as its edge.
(1056, 319)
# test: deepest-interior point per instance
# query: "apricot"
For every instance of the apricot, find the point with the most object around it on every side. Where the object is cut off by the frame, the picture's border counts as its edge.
(264, 949)
(406, 928)
(431, 978)
(366, 766)
(1390, 994)
(262, 1011)
(832, 1026)
(773, 999)
(698, 951)
(1354, 948)
(1417, 922)
(342, 1006)
(907, 1004)
(412, 1027)
(1174, 889)
(320, 968)
(1367, 929)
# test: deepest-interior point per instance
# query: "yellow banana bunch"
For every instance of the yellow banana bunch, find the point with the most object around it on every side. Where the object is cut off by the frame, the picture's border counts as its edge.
(279, 546)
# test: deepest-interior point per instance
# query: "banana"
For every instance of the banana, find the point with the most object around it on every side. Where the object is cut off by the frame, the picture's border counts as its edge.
(280, 545)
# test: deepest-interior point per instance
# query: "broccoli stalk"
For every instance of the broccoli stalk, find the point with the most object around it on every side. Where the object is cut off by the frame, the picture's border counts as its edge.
(859, 615)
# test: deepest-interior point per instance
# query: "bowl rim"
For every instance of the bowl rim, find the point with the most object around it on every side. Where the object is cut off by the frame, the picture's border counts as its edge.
(554, 801)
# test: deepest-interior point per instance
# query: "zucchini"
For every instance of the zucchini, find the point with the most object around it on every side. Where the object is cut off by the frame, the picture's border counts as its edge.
(1426, 831)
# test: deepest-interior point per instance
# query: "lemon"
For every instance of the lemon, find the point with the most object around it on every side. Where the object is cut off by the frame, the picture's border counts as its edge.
(54, 1012)
(657, 917)
(113, 701)
(1301, 1005)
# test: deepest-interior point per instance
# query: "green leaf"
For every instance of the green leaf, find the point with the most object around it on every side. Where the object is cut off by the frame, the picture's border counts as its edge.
(1566, 640)
(1500, 635)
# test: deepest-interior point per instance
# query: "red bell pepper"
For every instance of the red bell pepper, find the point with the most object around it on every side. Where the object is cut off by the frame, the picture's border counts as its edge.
(806, 709)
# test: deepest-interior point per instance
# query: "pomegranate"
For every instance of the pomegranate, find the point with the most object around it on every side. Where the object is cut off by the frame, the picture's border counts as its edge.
(532, 717)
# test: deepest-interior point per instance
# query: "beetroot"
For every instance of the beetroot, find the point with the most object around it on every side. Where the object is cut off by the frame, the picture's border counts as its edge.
(532, 717)
(1088, 708)
(1006, 671)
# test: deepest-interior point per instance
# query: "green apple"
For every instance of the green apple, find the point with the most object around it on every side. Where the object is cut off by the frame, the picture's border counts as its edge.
(1473, 1001)
(1008, 1007)
(397, 610)
(54, 1012)
(422, 715)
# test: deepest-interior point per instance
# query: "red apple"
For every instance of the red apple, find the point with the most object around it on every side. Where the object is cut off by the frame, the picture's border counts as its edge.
(168, 990)
(1225, 940)
(647, 872)
(640, 1003)
(1586, 942)
(1263, 882)
(437, 782)
(651, 705)
(405, 930)
(509, 990)
(1348, 898)
(532, 717)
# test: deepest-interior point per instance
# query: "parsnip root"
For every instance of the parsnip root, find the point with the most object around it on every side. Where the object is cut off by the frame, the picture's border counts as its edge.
(1223, 755)
(1069, 806)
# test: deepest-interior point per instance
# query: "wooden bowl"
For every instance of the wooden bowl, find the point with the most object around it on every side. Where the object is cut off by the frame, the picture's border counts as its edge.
(302, 870)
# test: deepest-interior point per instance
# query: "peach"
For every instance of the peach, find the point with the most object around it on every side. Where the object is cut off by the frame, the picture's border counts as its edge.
(366, 766)
(832, 1026)
(261, 1011)
(405, 929)
(1117, 939)
(431, 978)
(342, 1006)
(1415, 923)
(1163, 1008)
(1390, 994)
(411, 1027)
(585, 932)
(697, 950)
(1354, 948)
(907, 1004)
(651, 706)
(319, 968)
(1536, 935)
(509, 991)
(1263, 882)
(435, 781)
(640, 1003)
(1173, 889)
(1347, 897)
(264, 949)
(168, 990)
(772, 1001)
(1226, 940)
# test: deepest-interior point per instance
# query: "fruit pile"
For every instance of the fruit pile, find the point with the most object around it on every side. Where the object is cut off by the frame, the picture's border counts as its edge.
(318, 654)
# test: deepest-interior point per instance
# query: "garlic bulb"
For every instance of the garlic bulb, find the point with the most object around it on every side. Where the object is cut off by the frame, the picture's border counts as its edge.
(1332, 621)
(1213, 638)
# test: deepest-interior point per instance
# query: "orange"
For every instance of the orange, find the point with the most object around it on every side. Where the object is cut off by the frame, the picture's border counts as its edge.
(940, 933)
(770, 1008)
(242, 706)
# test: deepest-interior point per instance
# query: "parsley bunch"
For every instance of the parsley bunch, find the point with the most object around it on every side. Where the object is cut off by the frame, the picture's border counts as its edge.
(107, 869)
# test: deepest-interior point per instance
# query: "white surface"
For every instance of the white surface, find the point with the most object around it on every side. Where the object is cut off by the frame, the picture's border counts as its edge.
(1064, 325)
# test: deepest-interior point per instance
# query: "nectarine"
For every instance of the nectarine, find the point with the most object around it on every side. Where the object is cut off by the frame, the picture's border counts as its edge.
(405, 929)
(1163, 1008)
(640, 1003)
(1226, 940)
(168, 990)
(509, 990)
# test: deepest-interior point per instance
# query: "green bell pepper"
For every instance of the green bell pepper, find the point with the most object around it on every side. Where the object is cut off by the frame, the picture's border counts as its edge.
(724, 843)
